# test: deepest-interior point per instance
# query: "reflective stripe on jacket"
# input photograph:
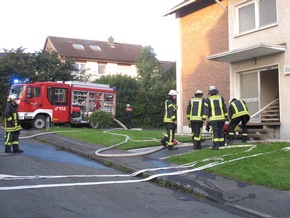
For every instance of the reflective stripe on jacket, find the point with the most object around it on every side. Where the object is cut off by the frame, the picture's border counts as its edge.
(215, 108)
(11, 119)
(238, 108)
(170, 111)
(195, 109)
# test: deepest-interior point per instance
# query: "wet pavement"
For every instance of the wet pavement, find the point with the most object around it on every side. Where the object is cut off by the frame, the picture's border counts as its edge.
(258, 201)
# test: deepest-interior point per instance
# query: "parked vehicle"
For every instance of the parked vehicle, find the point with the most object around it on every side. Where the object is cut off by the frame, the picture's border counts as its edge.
(44, 103)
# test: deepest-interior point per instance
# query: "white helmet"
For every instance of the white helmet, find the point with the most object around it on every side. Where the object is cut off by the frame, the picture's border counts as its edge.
(211, 88)
(128, 105)
(199, 92)
(11, 97)
(173, 92)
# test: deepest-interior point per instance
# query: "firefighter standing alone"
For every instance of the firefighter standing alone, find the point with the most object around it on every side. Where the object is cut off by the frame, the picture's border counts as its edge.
(128, 116)
(170, 120)
(12, 126)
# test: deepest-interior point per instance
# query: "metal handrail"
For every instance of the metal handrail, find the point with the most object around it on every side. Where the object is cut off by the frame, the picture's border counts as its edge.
(264, 107)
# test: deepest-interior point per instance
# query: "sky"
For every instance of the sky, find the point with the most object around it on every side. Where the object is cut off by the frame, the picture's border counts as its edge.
(27, 23)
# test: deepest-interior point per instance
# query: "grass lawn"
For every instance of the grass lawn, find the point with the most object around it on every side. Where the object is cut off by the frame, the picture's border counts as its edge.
(264, 164)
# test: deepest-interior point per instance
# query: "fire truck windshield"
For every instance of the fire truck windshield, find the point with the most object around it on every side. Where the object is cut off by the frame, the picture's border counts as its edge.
(17, 90)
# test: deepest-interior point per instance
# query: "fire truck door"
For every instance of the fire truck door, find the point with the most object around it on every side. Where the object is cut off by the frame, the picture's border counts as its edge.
(58, 98)
(33, 99)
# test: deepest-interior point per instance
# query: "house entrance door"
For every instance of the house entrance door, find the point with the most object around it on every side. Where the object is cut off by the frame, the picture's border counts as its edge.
(258, 89)
(250, 93)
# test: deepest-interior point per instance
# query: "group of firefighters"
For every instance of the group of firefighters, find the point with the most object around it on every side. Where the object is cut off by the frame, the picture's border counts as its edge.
(212, 110)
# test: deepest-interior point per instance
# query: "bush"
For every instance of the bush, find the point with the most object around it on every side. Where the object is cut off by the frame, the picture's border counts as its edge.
(101, 119)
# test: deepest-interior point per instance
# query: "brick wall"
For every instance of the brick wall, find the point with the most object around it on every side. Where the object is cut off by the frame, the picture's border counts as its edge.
(204, 32)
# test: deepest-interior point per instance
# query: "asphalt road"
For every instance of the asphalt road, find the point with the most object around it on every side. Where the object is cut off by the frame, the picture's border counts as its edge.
(85, 188)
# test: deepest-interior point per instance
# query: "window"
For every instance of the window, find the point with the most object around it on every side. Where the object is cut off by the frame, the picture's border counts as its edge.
(80, 68)
(79, 46)
(33, 92)
(96, 47)
(101, 68)
(256, 14)
(17, 90)
(57, 96)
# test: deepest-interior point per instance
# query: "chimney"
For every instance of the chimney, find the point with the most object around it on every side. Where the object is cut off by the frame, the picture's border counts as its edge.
(111, 41)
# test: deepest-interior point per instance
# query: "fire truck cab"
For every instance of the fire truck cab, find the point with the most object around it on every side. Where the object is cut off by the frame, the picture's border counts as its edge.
(43, 103)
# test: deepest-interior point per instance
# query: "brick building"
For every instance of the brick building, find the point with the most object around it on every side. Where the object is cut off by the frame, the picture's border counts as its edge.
(203, 30)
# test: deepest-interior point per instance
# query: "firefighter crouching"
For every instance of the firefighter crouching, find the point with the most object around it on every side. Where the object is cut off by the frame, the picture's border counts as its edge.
(194, 113)
(12, 126)
(215, 111)
(170, 120)
(238, 112)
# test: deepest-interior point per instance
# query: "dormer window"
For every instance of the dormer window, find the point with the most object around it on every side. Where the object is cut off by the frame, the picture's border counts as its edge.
(96, 47)
(79, 46)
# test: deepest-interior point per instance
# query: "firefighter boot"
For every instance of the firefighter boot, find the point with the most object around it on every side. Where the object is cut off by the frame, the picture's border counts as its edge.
(215, 146)
(8, 149)
(163, 141)
(198, 146)
(16, 149)
(245, 139)
(193, 142)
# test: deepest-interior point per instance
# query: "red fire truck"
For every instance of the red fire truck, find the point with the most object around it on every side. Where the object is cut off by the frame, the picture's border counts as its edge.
(43, 103)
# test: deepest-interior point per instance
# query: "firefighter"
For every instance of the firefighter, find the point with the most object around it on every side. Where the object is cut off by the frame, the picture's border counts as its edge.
(12, 126)
(215, 111)
(194, 113)
(128, 116)
(170, 120)
(238, 112)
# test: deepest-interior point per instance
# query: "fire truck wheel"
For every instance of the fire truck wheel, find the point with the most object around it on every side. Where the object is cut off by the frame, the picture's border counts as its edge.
(93, 125)
(39, 122)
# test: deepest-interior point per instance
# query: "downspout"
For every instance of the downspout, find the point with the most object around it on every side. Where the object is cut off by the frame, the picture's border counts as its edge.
(217, 1)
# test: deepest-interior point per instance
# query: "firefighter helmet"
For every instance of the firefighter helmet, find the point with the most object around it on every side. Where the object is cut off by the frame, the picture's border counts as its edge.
(173, 92)
(211, 88)
(11, 97)
(199, 92)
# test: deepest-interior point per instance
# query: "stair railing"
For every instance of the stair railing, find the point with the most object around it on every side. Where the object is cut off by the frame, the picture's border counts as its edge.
(264, 108)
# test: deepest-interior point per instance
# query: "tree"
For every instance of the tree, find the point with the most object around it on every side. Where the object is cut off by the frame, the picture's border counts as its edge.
(39, 66)
(49, 67)
(127, 89)
(154, 87)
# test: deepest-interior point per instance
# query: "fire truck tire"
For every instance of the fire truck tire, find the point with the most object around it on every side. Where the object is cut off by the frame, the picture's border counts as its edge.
(93, 125)
(39, 122)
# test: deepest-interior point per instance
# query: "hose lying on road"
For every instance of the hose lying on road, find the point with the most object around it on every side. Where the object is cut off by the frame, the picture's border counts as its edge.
(127, 138)
(6, 188)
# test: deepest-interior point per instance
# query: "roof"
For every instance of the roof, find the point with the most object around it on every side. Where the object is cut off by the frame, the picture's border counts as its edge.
(188, 2)
(179, 6)
(106, 51)
(167, 65)
(249, 52)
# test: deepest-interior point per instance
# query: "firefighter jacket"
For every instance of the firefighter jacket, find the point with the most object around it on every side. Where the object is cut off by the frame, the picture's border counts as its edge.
(215, 108)
(129, 113)
(11, 119)
(195, 109)
(238, 108)
(170, 110)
